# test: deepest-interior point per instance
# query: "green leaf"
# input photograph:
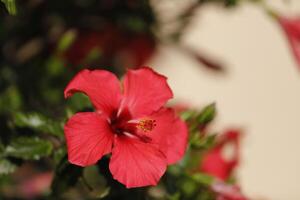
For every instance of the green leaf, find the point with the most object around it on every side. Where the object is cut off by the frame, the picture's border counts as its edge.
(207, 114)
(94, 54)
(227, 3)
(189, 187)
(10, 6)
(104, 193)
(191, 159)
(77, 103)
(59, 154)
(187, 115)
(6, 167)
(95, 182)
(231, 2)
(55, 66)
(203, 142)
(10, 99)
(66, 40)
(174, 170)
(203, 179)
(39, 123)
(135, 24)
(28, 148)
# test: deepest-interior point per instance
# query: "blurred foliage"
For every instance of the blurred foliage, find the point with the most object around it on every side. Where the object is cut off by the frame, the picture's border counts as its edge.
(6, 167)
(10, 6)
(28, 148)
(39, 123)
(43, 44)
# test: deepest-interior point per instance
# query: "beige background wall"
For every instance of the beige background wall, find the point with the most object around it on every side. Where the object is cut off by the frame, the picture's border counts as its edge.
(260, 92)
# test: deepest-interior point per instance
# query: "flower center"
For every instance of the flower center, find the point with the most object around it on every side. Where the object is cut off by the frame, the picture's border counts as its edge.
(146, 125)
(120, 126)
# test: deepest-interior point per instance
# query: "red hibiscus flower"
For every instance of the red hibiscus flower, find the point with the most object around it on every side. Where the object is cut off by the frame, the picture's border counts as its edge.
(114, 46)
(227, 192)
(130, 121)
(292, 30)
(213, 161)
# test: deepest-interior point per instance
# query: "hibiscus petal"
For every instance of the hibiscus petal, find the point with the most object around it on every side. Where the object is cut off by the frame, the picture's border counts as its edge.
(135, 163)
(145, 91)
(214, 164)
(101, 86)
(177, 141)
(88, 138)
(170, 133)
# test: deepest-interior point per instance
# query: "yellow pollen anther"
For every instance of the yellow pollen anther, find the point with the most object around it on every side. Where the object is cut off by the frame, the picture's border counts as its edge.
(146, 125)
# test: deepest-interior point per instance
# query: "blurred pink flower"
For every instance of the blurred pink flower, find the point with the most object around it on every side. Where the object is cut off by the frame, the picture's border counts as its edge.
(35, 185)
(291, 26)
(227, 192)
(214, 163)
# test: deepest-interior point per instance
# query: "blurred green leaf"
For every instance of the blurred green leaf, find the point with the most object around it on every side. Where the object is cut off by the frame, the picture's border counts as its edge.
(198, 120)
(95, 182)
(203, 179)
(39, 123)
(28, 148)
(78, 102)
(174, 170)
(102, 194)
(175, 196)
(135, 24)
(207, 114)
(205, 194)
(55, 66)
(10, 100)
(59, 154)
(189, 187)
(6, 167)
(66, 40)
(10, 6)
(53, 95)
(203, 142)
(187, 115)
(231, 2)
(227, 3)
(93, 55)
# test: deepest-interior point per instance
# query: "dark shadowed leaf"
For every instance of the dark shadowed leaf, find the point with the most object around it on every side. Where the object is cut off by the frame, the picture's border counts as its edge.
(66, 176)
(175, 196)
(59, 154)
